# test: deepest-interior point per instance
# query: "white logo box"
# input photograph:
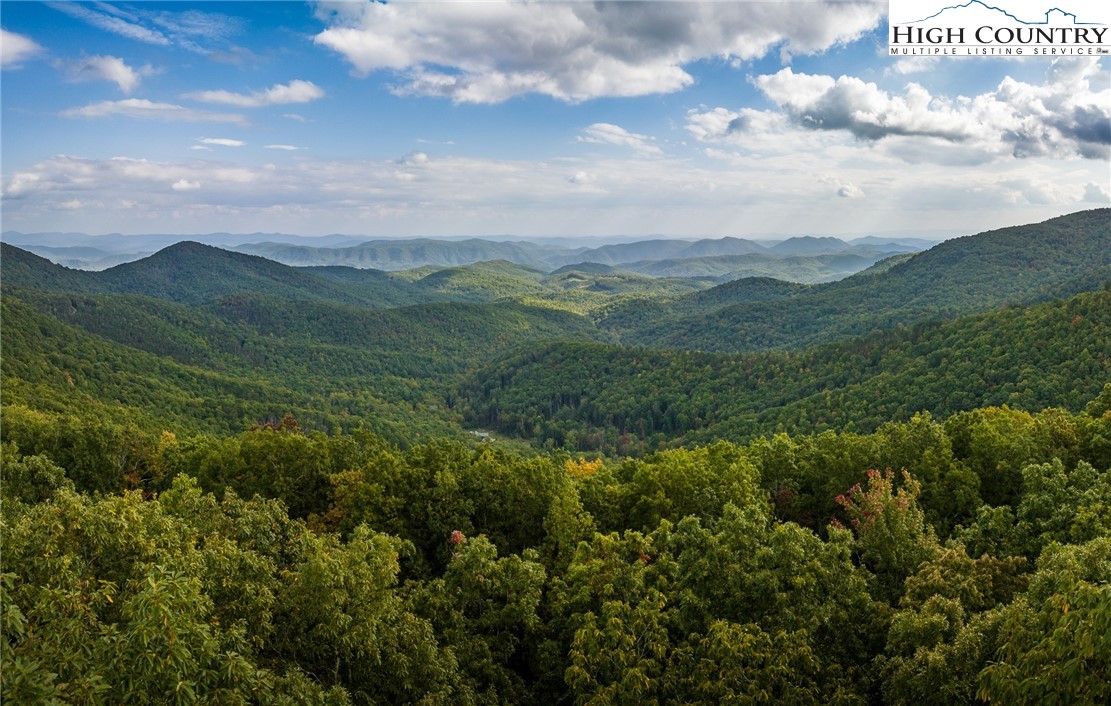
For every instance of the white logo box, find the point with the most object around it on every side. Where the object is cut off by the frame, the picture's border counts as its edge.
(1050, 28)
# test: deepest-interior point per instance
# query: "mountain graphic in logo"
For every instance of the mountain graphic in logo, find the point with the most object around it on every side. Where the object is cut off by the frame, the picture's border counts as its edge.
(1053, 17)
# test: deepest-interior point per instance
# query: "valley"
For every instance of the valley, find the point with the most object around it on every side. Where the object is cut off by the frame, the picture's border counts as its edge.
(505, 473)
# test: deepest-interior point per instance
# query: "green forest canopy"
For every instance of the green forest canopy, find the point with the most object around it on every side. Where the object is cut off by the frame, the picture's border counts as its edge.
(281, 566)
(901, 492)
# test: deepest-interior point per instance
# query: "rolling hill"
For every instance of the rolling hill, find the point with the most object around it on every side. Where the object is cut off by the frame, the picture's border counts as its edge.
(243, 357)
(1022, 264)
(347, 341)
(404, 254)
(185, 272)
(724, 268)
(617, 399)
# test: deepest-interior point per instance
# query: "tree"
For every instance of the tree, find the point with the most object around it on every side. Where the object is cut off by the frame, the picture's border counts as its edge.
(485, 609)
(892, 538)
(1055, 642)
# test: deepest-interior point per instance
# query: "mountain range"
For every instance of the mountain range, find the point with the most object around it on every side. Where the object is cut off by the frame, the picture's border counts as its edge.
(682, 258)
(236, 337)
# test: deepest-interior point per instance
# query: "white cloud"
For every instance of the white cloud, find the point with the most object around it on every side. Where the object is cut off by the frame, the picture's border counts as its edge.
(192, 30)
(295, 116)
(737, 192)
(221, 141)
(489, 52)
(123, 24)
(279, 94)
(1095, 193)
(143, 108)
(607, 133)
(848, 103)
(194, 26)
(107, 68)
(287, 148)
(415, 158)
(1065, 117)
(912, 65)
(744, 126)
(16, 49)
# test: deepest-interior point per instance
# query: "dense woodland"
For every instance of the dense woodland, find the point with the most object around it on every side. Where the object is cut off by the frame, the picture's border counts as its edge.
(596, 397)
(227, 481)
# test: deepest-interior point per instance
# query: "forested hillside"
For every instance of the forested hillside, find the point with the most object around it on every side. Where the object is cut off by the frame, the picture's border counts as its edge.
(188, 273)
(231, 481)
(1060, 257)
(250, 358)
(191, 273)
(593, 397)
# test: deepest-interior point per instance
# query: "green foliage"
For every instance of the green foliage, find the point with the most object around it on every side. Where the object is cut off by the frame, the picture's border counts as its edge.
(250, 358)
(947, 627)
(891, 534)
(1059, 257)
(743, 664)
(1055, 642)
(254, 490)
(671, 485)
(97, 455)
(593, 397)
(445, 574)
(29, 479)
(486, 610)
(1056, 505)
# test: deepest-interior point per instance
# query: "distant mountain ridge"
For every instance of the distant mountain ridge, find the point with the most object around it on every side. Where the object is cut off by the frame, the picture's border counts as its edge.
(339, 344)
(102, 252)
(185, 272)
(192, 273)
(1021, 264)
(824, 267)
(402, 254)
(971, 273)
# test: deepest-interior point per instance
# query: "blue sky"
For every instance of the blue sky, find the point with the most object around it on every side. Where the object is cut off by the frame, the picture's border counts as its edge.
(572, 118)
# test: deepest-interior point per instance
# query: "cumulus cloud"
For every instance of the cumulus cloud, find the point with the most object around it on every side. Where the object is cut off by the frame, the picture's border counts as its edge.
(738, 126)
(107, 68)
(150, 110)
(848, 103)
(607, 133)
(1095, 193)
(1067, 116)
(279, 94)
(287, 148)
(489, 52)
(16, 49)
(185, 185)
